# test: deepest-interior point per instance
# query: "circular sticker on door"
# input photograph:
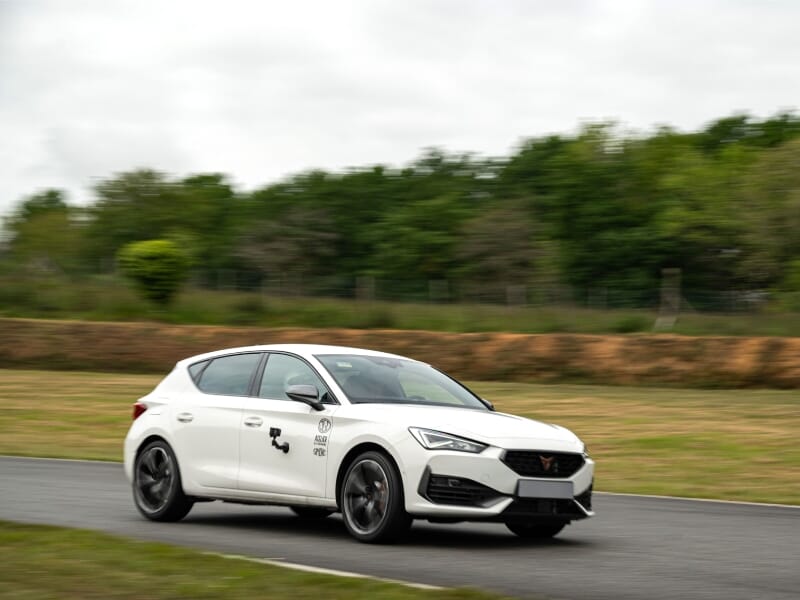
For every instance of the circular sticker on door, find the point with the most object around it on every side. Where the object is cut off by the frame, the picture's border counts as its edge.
(324, 425)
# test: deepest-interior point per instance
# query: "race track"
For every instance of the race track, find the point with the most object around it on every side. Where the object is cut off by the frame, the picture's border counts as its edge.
(635, 547)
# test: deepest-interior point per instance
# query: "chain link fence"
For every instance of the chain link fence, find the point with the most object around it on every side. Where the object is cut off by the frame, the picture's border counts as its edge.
(445, 291)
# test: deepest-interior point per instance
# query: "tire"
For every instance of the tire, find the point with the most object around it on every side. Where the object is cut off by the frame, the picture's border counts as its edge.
(157, 489)
(536, 530)
(311, 512)
(373, 508)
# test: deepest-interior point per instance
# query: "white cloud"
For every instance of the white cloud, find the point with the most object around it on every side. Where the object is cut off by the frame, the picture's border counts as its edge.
(263, 89)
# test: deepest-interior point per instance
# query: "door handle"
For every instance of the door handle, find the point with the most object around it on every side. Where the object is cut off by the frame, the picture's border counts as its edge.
(253, 421)
(185, 417)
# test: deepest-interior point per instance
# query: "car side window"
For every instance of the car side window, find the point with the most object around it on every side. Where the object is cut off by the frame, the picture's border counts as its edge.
(229, 375)
(196, 369)
(282, 371)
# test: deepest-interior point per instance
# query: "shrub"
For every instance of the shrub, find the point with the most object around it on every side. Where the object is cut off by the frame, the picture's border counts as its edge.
(157, 267)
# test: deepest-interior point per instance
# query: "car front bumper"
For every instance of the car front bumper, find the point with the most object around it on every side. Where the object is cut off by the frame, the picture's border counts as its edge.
(462, 486)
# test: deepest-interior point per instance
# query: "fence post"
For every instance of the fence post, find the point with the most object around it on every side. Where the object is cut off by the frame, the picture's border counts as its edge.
(365, 288)
(670, 305)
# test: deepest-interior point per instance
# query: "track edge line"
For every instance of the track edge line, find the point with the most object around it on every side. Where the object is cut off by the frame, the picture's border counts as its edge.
(707, 500)
(324, 571)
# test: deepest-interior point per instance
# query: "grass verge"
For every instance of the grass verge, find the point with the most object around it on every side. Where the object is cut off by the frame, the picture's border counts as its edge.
(726, 444)
(111, 299)
(38, 562)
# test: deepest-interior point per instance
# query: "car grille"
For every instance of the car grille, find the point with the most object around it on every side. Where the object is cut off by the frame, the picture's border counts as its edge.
(537, 463)
(442, 489)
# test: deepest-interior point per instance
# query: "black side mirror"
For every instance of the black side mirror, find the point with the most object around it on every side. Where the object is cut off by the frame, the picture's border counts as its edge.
(308, 394)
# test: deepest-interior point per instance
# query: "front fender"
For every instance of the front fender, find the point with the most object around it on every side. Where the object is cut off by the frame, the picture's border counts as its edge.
(406, 452)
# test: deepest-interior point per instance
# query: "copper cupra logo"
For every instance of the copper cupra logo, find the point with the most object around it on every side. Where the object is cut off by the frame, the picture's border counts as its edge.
(547, 462)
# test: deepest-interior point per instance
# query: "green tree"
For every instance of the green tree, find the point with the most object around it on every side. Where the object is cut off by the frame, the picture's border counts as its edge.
(697, 224)
(296, 247)
(602, 209)
(46, 234)
(201, 212)
(214, 219)
(768, 206)
(601, 219)
(157, 267)
(416, 241)
(495, 250)
(744, 130)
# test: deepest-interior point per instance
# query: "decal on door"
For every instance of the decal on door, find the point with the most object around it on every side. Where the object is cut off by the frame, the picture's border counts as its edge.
(321, 439)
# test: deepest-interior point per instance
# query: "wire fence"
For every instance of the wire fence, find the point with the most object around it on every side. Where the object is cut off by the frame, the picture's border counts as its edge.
(445, 291)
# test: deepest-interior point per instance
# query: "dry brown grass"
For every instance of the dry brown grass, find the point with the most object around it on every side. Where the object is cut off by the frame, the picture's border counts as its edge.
(67, 414)
(738, 445)
(619, 360)
(732, 444)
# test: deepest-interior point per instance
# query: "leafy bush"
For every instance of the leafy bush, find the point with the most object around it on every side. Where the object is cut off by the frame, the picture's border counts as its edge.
(157, 267)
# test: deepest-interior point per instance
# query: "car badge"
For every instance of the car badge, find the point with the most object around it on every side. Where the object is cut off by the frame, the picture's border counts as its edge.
(547, 462)
(324, 426)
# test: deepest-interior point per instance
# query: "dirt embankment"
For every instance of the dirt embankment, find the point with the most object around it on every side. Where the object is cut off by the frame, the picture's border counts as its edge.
(612, 359)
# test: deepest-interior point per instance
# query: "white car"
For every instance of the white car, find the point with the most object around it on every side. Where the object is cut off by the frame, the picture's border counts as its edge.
(381, 438)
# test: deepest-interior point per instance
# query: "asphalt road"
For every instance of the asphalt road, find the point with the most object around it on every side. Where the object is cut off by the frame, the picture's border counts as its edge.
(635, 548)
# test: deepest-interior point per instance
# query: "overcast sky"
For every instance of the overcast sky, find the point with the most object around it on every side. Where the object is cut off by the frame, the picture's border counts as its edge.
(263, 89)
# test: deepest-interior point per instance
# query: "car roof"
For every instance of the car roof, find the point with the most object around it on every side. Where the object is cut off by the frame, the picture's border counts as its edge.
(305, 350)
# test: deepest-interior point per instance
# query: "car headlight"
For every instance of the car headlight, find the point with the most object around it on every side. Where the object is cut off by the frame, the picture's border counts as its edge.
(437, 440)
(585, 451)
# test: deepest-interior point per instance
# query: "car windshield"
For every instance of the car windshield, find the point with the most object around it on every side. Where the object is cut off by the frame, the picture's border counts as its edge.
(384, 379)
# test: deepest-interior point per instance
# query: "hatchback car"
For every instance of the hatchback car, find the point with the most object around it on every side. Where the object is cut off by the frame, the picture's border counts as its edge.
(381, 438)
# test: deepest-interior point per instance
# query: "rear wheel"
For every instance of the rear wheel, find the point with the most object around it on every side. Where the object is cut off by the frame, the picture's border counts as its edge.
(311, 512)
(157, 489)
(372, 499)
(540, 530)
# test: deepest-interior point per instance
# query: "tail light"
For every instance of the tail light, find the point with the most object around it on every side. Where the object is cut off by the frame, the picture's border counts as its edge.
(138, 409)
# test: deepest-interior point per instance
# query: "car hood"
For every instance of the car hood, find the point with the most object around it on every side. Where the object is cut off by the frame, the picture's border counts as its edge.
(494, 428)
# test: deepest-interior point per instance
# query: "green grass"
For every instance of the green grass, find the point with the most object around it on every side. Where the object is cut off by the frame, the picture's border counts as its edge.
(110, 299)
(728, 444)
(38, 562)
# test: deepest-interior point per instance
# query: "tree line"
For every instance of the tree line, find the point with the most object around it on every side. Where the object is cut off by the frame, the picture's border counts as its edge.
(597, 209)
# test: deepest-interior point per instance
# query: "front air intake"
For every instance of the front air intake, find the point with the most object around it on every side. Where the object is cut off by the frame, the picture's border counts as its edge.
(442, 489)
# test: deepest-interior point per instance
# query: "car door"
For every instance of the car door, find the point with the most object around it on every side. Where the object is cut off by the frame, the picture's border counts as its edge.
(264, 466)
(207, 419)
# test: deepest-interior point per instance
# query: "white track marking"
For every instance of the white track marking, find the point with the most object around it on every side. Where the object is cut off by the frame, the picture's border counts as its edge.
(278, 562)
(74, 460)
(711, 500)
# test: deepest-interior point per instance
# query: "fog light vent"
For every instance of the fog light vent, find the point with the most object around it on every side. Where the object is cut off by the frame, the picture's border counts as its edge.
(443, 489)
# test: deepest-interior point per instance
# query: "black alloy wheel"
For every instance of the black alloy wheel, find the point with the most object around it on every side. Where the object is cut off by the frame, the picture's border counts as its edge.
(157, 490)
(372, 499)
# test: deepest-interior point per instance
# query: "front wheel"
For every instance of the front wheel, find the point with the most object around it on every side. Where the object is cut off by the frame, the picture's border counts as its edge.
(536, 530)
(157, 489)
(372, 499)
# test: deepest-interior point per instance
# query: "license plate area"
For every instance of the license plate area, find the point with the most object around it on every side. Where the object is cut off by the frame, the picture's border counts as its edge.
(557, 490)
